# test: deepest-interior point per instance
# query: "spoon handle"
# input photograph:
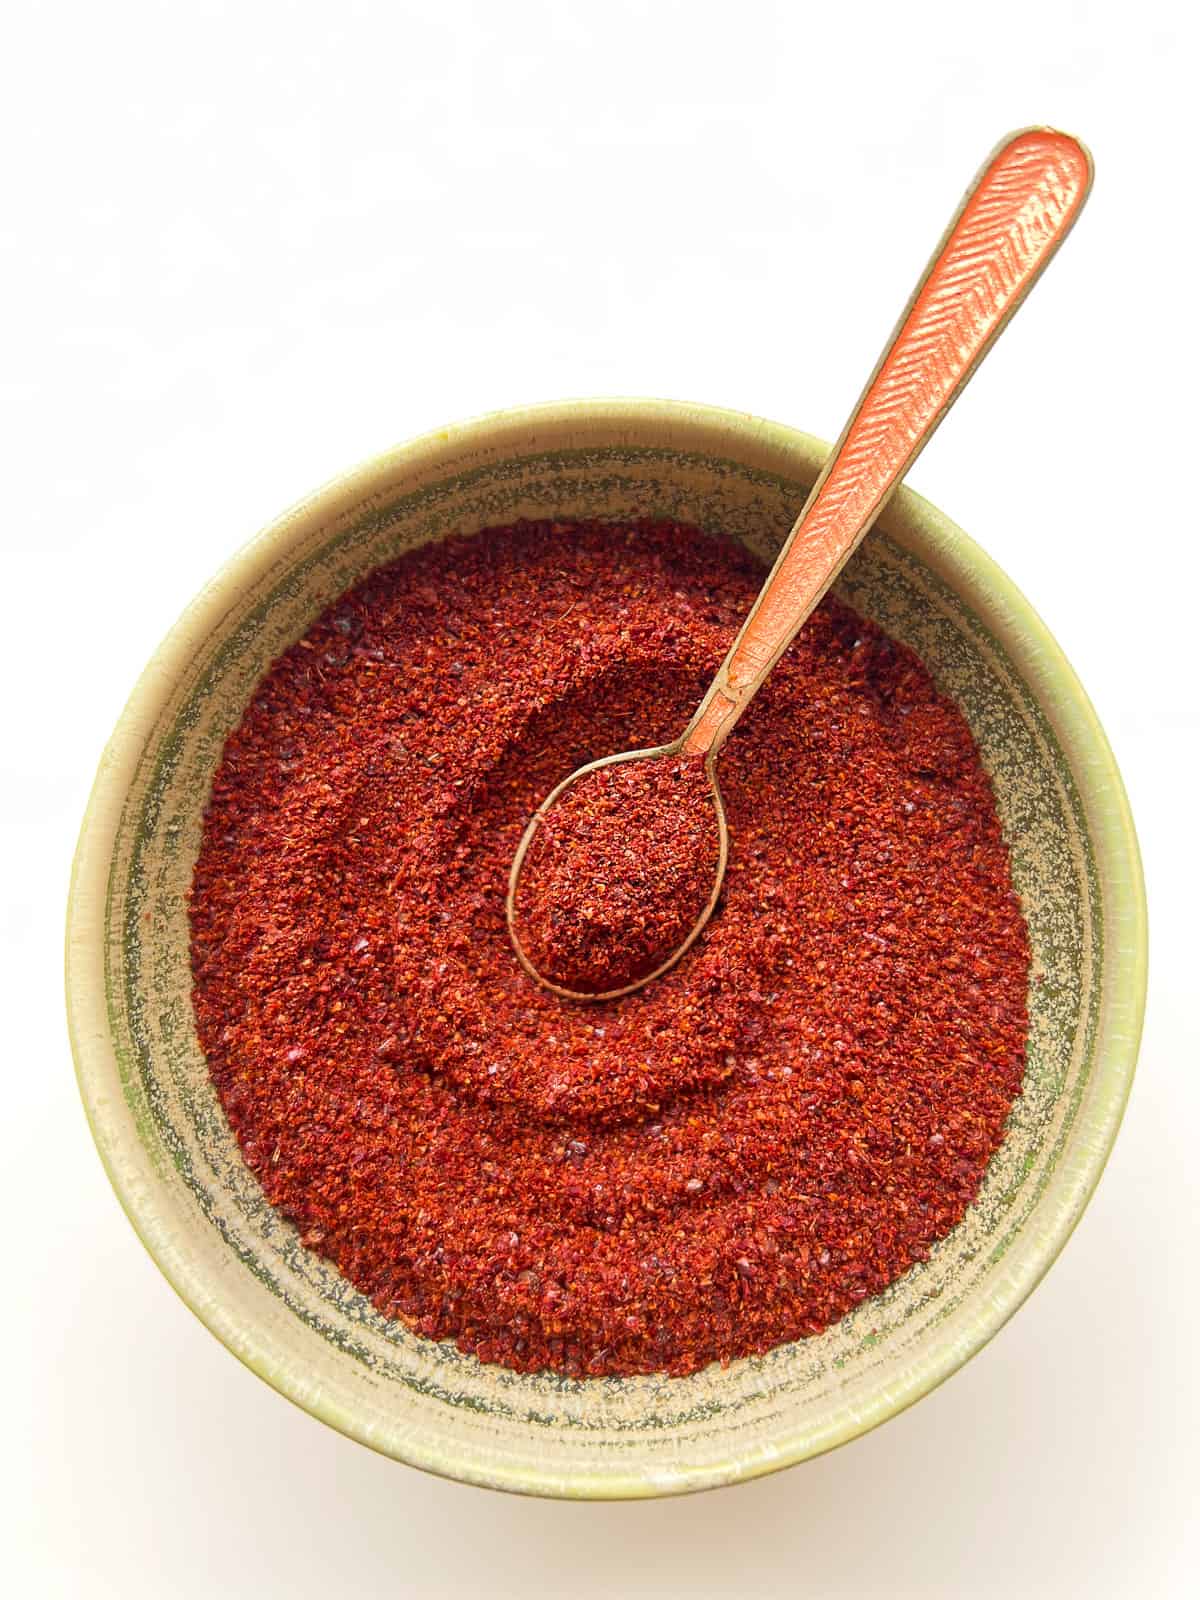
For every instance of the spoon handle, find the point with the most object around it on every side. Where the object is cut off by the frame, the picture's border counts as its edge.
(1010, 222)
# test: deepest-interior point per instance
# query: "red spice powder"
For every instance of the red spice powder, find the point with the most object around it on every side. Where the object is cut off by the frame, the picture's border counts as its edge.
(733, 1157)
(618, 872)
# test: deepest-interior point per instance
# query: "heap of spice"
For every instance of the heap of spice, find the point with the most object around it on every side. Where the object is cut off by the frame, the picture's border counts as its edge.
(734, 1156)
(618, 872)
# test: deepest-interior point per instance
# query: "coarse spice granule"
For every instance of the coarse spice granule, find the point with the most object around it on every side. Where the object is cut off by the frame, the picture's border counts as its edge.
(733, 1157)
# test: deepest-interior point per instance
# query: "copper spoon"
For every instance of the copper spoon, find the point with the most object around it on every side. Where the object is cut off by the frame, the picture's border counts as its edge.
(1011, 220)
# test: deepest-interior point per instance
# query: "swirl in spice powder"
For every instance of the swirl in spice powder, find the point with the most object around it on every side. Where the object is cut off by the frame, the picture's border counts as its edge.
(731, 1158)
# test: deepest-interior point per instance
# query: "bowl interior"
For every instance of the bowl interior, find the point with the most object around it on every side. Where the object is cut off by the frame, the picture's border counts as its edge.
(289, 1314)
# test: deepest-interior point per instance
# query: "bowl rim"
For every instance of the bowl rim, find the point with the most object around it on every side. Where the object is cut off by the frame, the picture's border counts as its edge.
(1076, 725)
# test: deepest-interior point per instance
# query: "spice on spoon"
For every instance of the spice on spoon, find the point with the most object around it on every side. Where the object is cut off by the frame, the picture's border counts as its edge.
(618, 873)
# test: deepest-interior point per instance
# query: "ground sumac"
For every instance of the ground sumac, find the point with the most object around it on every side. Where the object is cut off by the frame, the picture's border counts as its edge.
(733, 1157)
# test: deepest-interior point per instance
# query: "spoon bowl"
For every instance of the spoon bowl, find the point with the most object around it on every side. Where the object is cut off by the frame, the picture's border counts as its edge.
(662, 752)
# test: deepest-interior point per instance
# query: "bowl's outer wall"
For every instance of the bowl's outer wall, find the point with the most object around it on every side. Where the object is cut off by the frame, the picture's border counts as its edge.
(288, 1314)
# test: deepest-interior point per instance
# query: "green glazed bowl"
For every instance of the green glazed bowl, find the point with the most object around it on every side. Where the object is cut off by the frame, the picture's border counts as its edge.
(287, 1313)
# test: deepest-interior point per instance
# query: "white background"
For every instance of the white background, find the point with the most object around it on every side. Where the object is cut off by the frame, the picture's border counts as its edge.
(246, 245)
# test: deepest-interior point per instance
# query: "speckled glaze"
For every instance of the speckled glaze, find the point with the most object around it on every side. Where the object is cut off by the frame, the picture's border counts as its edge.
(288, 1314)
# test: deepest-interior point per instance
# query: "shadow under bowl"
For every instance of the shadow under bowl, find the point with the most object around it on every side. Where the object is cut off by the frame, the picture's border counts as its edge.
(287, 1313)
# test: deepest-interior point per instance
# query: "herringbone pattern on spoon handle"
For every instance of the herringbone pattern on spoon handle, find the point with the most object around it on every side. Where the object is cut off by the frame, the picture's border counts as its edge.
(1010, 223)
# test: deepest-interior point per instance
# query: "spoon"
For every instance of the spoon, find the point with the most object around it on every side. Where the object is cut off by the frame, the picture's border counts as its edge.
(1012, 219)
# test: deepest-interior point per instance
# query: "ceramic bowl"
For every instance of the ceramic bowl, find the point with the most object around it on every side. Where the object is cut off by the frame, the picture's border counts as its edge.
(287, 1313)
